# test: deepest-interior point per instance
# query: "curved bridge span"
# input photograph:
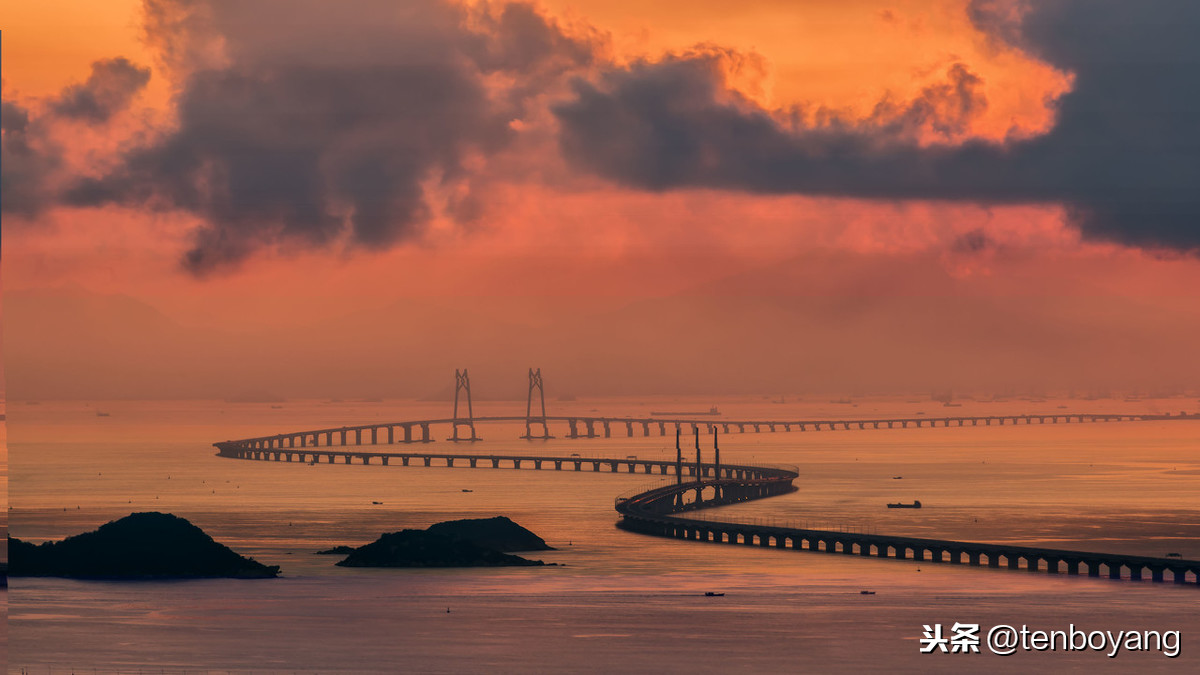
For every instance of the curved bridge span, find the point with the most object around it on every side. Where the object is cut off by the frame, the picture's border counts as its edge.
(661, 511)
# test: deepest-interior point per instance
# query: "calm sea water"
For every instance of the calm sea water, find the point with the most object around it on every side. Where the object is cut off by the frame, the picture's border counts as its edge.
(620, 601)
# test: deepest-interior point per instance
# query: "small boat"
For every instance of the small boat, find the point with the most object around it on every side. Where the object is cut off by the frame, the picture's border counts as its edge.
(466, 490)
(710, 594)
(866, 592)
(897, 477)
(948, 404)
(102, 414)
(376, 503)
(900, 505)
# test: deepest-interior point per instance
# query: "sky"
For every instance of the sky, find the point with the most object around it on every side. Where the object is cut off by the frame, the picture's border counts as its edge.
(208, 198)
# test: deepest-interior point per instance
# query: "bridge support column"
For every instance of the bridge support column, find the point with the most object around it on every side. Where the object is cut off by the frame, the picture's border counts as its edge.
(425, 436)
(1114, 571)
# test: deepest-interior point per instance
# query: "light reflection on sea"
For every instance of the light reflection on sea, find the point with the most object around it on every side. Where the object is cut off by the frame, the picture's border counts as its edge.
(620, 601)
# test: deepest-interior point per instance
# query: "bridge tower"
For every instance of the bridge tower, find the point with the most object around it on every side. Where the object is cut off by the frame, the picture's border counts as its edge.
(716, 455)
(462, 383)
(678, 470)
(535, 382)
(699, 467)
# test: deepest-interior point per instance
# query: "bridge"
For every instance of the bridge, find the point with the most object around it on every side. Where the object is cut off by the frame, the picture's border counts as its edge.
(464, 422)
(661, 510)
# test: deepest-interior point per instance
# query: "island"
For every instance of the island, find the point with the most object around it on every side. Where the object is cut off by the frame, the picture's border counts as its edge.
(422, 548)
(140, 546)
(499, 533)
(476, 542)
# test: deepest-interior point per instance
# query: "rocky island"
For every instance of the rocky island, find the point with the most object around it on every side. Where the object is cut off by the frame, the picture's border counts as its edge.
(148, 545)
(499, 533)
(482, 542)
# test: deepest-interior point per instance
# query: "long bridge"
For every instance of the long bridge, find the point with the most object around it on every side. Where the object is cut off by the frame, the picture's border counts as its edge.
(661, 510)
(463, 423)
(580, 426)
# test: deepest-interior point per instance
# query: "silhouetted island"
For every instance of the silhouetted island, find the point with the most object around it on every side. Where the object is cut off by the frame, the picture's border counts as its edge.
(499, 533)
(149, 545)
(422, 548)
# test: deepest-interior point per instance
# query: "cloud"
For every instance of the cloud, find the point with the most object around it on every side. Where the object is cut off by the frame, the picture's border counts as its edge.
(33, 164)
(108, 90)
(304, 124)
(1123, 156)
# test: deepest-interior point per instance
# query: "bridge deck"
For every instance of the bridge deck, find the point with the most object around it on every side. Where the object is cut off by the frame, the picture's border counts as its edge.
(657, 512)
(592, 426)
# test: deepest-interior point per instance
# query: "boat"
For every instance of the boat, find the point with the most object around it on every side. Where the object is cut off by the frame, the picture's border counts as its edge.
(866, 592)
(376, 503)
(466, 490)
(900, 505)
(948, 404)
(710, 594)
(711, 411)
(102, 414)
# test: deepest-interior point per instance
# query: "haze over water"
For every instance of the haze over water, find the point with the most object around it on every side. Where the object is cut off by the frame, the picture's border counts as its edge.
(621, 601)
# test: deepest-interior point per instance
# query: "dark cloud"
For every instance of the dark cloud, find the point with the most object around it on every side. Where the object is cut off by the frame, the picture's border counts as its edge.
(301, 123)
(108, 90)
(1123, 156)
(33, 160)
(24, 168)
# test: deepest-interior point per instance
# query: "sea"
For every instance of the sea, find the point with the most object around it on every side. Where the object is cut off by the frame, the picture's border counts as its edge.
(616, 601)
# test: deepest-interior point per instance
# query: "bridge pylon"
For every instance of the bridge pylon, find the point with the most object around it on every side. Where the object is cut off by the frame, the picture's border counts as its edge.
(535, 382)
(462, 384)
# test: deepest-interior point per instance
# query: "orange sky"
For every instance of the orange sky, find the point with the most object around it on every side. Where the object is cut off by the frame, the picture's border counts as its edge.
(565, 249)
